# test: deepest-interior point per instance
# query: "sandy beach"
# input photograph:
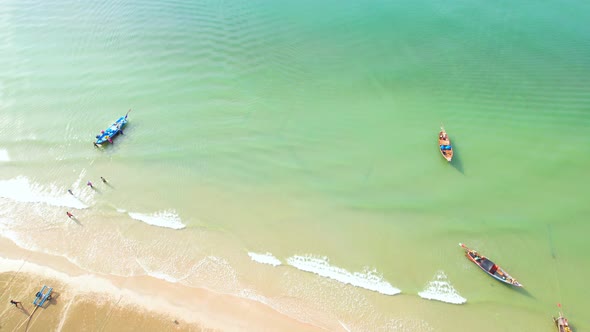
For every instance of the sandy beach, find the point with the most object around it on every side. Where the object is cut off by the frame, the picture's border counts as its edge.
(86, 302)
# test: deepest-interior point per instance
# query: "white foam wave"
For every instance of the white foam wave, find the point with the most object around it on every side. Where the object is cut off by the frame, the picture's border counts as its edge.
(368, 279)
(252, 295)
(156, 274)
(4, 155)
(20, 189)
(440, 289)
(267, 258)
(168, 219)
(163, 276)
(13, 236)
(345, 327)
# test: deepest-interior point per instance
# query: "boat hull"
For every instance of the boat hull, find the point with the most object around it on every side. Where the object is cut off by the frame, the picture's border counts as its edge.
(113, 130)
(444, 145)
(562, 324)
(489, 267)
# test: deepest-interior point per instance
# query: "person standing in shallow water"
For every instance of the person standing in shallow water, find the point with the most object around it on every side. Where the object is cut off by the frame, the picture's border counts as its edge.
(70, 191)
(89, 184)
(103, 180)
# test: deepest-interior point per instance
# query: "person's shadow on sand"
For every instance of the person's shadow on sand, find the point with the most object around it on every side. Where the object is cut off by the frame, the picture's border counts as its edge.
(76, 220)
(21, 307)
(24, 310)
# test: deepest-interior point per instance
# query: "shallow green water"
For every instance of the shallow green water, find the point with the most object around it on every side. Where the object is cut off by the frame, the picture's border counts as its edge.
(310, 128)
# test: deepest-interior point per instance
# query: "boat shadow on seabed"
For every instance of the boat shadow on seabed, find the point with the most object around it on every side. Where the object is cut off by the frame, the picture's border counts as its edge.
(520, 290)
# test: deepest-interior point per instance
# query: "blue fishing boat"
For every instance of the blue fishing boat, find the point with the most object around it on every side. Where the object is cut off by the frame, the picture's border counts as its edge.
(109, 134)
(43, 295)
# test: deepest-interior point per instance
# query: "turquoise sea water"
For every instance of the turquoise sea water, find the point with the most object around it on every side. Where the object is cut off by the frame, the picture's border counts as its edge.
(306, 128)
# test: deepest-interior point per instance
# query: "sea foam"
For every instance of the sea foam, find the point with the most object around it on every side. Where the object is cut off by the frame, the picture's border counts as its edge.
(20, 189)
(168, 219)
(368, 279)
(163, 276)
(267, 258)
(4, 155)
(346, 328)
(440, 289)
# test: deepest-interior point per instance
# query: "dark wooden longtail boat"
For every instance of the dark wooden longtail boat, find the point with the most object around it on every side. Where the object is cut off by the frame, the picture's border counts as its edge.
(489, 267)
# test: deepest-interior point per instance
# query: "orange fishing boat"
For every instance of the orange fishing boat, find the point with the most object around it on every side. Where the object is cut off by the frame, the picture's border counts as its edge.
(444, 143)
(561, 323)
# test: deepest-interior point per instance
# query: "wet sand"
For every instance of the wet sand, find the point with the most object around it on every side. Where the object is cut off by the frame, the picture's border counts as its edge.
(85, 302)
(71, 311)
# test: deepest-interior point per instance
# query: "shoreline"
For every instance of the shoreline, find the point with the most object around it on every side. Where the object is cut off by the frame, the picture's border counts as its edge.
(196, 307)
